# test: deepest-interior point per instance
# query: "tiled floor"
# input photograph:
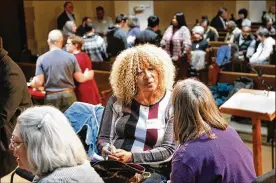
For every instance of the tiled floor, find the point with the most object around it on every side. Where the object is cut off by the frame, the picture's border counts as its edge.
(266, 152)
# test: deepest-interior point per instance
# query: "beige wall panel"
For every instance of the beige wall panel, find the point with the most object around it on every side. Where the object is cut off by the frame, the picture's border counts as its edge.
(192, 9)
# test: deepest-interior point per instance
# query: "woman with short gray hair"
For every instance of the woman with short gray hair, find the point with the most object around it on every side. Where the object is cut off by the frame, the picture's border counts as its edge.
(134, 30)
(45, 144)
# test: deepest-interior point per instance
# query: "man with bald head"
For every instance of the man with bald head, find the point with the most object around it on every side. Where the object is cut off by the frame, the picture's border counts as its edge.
(56, 71)
(246, 43)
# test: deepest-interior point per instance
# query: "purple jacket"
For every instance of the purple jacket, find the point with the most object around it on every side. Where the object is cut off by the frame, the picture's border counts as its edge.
(225, 159)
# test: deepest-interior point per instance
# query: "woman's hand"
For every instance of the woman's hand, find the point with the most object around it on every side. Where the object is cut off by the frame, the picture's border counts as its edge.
(108, 150)
(124, 156)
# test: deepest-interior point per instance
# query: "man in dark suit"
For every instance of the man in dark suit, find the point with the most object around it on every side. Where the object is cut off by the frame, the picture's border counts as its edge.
(66, 15)
(14, 97)
(149, 35)
(219, 21)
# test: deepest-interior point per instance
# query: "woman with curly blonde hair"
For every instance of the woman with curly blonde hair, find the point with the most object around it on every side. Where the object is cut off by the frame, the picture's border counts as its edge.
(137, 124)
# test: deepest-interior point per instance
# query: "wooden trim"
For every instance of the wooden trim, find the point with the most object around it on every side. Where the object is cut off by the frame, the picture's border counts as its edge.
(266, 69)
(249, 114)
(230, 77)
(217, 43)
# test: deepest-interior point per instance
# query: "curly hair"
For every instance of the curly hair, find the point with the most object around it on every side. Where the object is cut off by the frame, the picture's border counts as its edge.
(126, 65)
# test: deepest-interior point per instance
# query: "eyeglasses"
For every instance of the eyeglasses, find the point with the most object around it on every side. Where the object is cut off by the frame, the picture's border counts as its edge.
(15, 144)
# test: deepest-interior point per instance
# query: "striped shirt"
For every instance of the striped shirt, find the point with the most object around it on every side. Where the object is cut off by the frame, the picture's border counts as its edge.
(146, 131)
(94, 46)
(176, 43)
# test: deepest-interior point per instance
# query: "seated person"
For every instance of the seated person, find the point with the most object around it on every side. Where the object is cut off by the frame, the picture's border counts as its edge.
(243, 21)
(271, 14)
(246, 43)
(137, 123)
(199, 46)
(210, 33)
(210, 150)
(116, 36)
(265, 48)
(268, 24)
(233, 32)
(81, 29)
(199, 43)
(45, 144)
(93, 44)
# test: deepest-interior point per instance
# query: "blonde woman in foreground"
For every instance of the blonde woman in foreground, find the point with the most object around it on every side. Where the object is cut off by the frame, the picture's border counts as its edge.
(137, 124)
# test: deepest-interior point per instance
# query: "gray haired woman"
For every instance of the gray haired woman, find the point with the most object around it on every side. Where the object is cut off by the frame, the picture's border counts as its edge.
(45, 144)
(134, 30)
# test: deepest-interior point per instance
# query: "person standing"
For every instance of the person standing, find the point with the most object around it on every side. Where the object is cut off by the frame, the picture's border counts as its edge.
(149, 35)
(219, 21)
(93, 44)
(66, 15)
(81, 29)
(116, 36)
(177, 38)
(101, 22)
(56, 70)
(14, 98)
(86, 92)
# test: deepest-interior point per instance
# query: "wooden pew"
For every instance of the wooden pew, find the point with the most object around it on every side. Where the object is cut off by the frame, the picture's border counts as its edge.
(222, 34)
(221, 38)
(103, 66)
(28, 69)
(265, 69)
(216, 43)
(230, 77)
(216, 75)
(102, 80)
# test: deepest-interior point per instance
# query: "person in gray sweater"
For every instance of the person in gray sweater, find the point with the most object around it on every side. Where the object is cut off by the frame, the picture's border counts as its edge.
(44, 143)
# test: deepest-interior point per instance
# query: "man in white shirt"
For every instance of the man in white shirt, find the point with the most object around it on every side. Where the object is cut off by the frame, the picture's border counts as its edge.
(101, 22)
(264, 49)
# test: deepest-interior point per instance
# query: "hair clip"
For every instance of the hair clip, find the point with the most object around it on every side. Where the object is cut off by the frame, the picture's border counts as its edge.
(43, 121)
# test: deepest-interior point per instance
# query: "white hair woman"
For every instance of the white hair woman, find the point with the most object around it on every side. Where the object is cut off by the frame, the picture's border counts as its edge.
(45, 144)
(210, 150)
(136, 122)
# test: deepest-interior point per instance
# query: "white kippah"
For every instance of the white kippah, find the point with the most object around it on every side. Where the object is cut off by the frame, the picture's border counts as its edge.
(198, 30)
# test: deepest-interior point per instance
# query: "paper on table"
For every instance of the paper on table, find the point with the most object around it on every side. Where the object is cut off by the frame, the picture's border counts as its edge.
(261, 103)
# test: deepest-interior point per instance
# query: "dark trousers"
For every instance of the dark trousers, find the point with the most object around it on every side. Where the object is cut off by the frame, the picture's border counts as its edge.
(61, 100)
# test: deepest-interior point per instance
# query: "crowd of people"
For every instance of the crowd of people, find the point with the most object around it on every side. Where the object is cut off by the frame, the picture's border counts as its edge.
(110, 39)
(144, 121)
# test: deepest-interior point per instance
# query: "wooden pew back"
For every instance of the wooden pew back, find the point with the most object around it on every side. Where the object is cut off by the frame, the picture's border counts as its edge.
(265, 69)
(230, 77)
(216, 43)
(28, 69)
